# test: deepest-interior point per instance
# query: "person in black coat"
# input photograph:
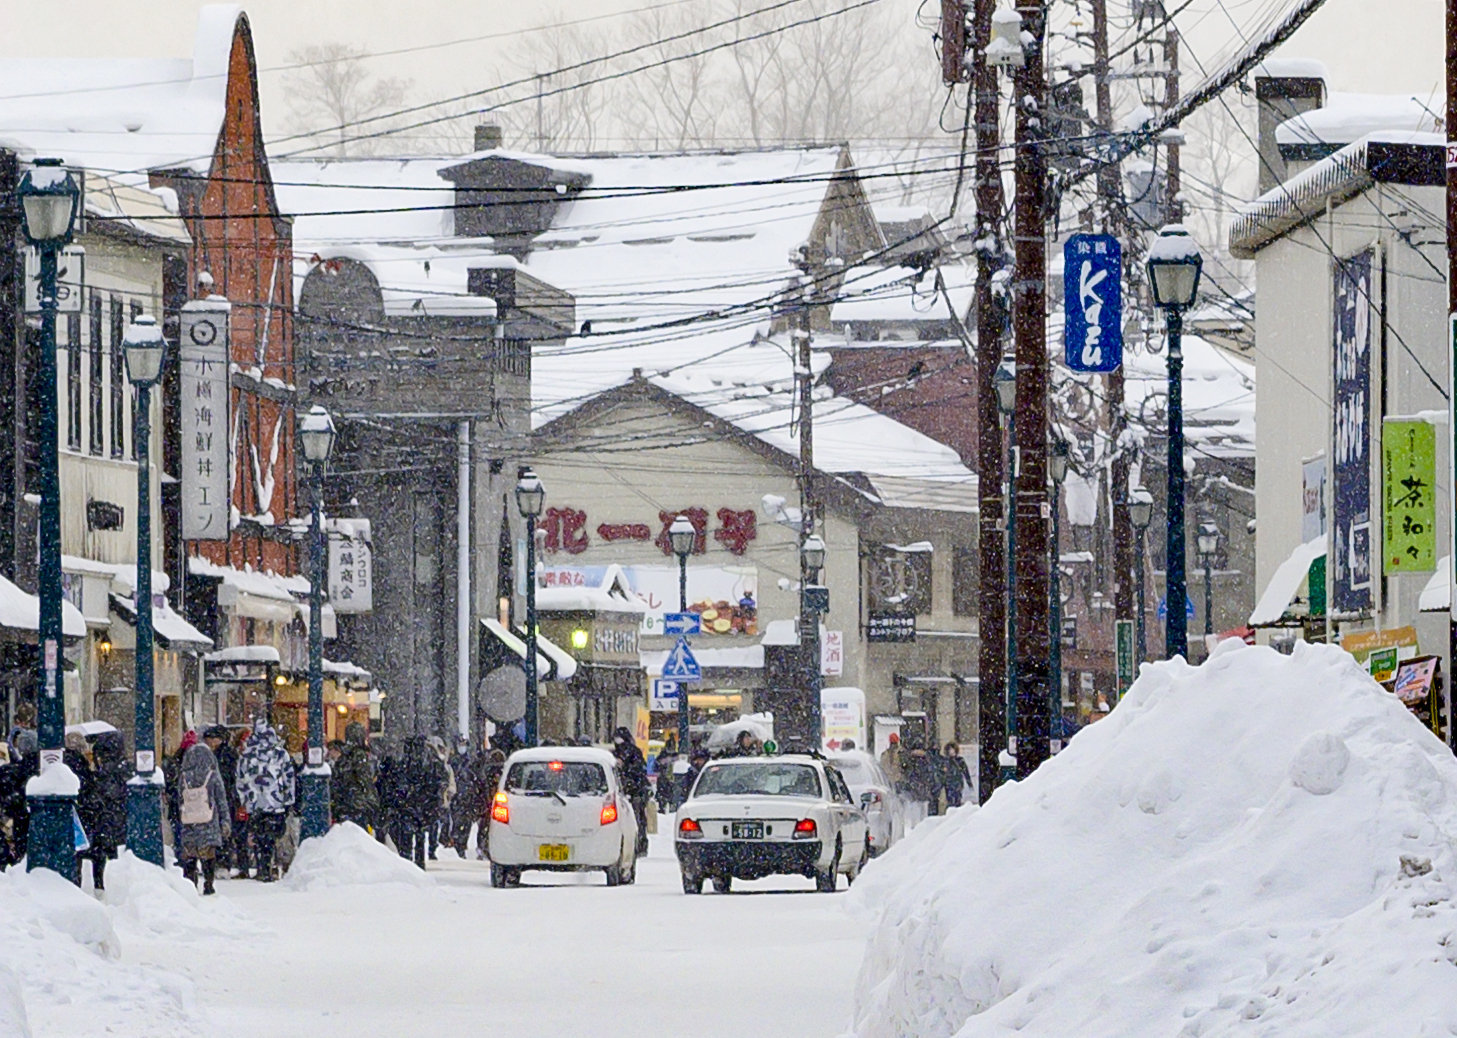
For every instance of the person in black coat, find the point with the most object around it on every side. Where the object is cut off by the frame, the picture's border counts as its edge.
(102, 802)
(413, 787)
(24, 765)
(958, 776)
(635, 783)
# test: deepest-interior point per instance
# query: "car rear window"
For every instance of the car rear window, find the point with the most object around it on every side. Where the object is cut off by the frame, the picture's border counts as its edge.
(768, 779)
(853, 770)
(568, 777)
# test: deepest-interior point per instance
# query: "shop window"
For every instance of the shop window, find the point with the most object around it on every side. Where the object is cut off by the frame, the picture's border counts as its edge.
(73, 381)
(965, 573)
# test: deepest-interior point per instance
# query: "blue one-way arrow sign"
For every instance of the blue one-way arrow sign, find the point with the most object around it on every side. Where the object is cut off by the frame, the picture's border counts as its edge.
(682, 664)
(682, 623)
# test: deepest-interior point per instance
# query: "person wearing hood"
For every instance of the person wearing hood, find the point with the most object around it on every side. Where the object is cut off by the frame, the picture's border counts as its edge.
(437, 827)
(634, 782)
(202, 814)
(265, 791)
(102, 803)
(351, 788)
(417, 786)
(466, 806)
(24, 765)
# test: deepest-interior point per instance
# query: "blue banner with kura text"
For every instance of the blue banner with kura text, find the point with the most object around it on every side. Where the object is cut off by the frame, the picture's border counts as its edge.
(1092, 278)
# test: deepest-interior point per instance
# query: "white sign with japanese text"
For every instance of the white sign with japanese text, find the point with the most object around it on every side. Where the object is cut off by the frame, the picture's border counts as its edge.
(351, 566)
(832, 654)
(205, 426)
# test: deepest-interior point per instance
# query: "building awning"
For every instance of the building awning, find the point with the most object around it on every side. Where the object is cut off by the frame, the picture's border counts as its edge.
(248, 592)
(344, 672)
(1275, 602)
(20, 611)
(171, 629)
(244, 654)
(1437, 595)
(553, 663)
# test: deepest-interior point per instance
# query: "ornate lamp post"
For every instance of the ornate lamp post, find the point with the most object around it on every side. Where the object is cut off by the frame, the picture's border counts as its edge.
(530, 500)
(49, 197)
(682, 538)
(1140, 514)
(1004, 384)
(1174, 264)
(145, 352)
(1208, 544)
(316, 433)
(1057, 459)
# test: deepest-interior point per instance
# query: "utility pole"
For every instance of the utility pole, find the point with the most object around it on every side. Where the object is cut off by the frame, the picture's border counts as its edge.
(1452, 338)
(809, 605)
(1029, 324)
(992, 606)
(1173, 186)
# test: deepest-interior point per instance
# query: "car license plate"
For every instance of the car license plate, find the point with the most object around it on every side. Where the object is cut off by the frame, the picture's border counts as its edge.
(748, 830)
(553, 852)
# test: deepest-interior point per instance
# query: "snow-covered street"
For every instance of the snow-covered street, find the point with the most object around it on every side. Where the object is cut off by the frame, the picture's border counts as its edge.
(562, 955)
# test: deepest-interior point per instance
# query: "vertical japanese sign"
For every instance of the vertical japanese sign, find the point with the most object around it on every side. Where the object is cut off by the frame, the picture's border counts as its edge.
(832, 654)
(205, 420)
(1092, 273)
(1350, 549)
(351, 566)
(1409, 484)
(1312, 499)
(1123, 656)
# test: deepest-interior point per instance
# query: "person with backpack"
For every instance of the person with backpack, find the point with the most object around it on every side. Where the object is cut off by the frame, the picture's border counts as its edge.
(102, 803)
(266, 791)
(351, 787)
(202, 814)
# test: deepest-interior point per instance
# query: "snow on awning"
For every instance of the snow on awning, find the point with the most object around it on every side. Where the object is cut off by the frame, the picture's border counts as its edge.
(1285, 584)
(552, 662)
(169, 625)
(1436, 597)
(344, 671)
(244, 654)
(20, 611)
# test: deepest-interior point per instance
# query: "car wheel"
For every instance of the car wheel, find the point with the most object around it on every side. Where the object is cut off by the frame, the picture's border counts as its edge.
(723, 884)
(629, 872)
(614, 875)
(498, 875)
(692, 883)
(854, 873)
(513, 877)
(825, 880)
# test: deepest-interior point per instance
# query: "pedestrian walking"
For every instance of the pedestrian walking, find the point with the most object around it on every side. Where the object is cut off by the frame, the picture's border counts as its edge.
(491, 771)
(218, 740)
(417, 785)
(266, 792)
(436, 828)
(202, 814)
(890, 763)
(24, 764)
(352, 787)
(102, 802)
(466, 807)
(919, 782)
(634, 782)
(958, 776)
(172, 786)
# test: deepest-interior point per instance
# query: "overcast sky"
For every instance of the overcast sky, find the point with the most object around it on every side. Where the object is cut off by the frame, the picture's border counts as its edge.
(1367, 45)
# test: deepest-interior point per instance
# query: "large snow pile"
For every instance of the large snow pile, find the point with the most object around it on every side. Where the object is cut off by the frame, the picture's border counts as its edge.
(58, 974)
(151, 902)
(347, 855)
(1263, 845)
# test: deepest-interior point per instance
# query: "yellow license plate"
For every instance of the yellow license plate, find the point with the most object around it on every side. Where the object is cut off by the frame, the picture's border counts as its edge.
(553, 852)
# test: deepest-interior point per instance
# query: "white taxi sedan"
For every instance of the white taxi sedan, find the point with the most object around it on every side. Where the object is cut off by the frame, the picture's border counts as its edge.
(562, 809)
(750, 817)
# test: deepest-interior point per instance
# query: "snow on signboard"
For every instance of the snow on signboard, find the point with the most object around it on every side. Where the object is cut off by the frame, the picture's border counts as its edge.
(205, 424)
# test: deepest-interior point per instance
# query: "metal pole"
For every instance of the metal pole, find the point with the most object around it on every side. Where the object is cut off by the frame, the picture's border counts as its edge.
(685, 738)
(532, 721)
(1029, 321)
(51, 843)
(1451, 123)
(1054, 703)
(1176, 629)
(144, 790)
(315, 781)
(1009, 735)
(1138, 582)
(809, 620)
(991, 557)
(462, 579)
(1208, 595)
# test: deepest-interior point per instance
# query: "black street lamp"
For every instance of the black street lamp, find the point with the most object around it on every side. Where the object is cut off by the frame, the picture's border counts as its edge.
(1004, 384)
(1057, 461)
(316, 433)
(49, 197)
(530, 500)
(1174, 264)
(682, 538)
(145, 350)
(1208, 544)
(1140, 514)
(811, 600)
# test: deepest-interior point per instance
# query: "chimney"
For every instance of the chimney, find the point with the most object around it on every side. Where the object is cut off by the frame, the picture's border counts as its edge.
(488, 137)
(1284, 88)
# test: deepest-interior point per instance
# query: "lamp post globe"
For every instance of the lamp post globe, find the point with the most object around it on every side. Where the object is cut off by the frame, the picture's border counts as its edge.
(530, 501)
(1004, 384)
(1174, 265)
(682, 537)
(145, 351)
(48, 197)
(813, 550)
(316, 435)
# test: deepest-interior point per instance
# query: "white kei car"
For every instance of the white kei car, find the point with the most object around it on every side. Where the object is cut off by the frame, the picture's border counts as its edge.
(750, 817)
(562, 809)
(884, 810)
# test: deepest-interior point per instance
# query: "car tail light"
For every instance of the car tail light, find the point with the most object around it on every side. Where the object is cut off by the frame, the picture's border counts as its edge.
(500, 809)
(609, 812)
(555, 765)
(805, 829)
(688, 829)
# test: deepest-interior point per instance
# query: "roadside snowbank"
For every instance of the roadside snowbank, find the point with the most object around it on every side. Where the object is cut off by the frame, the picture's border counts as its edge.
(347, 855)
(58, 975)
(1261, 845)
(149, 902)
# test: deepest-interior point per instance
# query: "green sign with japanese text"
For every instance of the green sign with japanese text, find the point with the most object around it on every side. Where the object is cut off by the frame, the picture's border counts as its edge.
(1408, 479)
(1124, 656)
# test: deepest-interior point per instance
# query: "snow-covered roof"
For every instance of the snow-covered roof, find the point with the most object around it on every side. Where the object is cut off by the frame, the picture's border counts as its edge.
(247, 579)
(1290, 68)
(244, 654)
(1436, 596)
(1219, 397)
(123, 116)
(1348, 117)
(345, 669)
(168, 624)
(20, 611)
(897, 295)
(614, 594)
(1285, 582)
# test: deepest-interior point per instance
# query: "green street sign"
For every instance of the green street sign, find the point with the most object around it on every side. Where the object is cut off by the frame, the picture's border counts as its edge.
(1409, 493)
(1125, 661)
